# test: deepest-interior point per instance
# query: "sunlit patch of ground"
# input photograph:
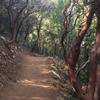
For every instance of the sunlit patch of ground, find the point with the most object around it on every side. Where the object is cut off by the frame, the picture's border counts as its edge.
(29, 98)
(34, 82)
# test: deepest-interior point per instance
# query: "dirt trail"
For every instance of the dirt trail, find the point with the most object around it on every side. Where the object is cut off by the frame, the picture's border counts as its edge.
(34, 81)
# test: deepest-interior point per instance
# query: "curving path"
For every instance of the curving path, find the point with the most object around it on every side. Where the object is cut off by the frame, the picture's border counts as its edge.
(34, 81)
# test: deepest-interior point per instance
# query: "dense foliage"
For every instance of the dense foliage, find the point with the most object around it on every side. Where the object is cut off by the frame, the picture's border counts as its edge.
(50, 28)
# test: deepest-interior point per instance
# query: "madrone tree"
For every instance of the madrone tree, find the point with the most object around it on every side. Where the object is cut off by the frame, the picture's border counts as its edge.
(92, 88)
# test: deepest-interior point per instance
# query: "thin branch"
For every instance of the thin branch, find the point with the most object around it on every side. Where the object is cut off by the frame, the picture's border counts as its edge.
(74, 52)
(81, 68)
(20, 12)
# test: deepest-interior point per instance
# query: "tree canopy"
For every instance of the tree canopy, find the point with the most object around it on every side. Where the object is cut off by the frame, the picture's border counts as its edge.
(67, 29)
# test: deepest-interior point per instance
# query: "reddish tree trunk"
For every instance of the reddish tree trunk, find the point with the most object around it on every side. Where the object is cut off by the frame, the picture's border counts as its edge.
(93, 89)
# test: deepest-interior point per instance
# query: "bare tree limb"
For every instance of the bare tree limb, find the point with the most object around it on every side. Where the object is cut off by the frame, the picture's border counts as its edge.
(74, 52)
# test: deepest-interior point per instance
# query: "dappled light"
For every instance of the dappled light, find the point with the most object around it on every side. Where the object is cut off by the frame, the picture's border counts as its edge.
(34, 82)
(49, 49)
(30, 98)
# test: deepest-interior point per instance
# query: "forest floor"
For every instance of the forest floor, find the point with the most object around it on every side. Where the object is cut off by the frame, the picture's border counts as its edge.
(34, 81)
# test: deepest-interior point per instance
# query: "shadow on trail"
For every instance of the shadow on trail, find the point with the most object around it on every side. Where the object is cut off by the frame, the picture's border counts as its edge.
(34, 81)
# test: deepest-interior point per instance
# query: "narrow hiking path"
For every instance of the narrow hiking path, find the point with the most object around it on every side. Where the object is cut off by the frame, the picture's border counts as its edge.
(33, 83)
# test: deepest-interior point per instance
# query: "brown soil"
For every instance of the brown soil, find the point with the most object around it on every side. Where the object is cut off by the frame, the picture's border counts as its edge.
(34, 81)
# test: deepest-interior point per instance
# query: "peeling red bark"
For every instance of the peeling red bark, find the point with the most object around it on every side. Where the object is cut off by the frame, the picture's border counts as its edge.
(93, 90)
(73, 56)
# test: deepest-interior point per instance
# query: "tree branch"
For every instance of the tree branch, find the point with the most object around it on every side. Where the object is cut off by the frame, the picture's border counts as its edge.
(74, 52)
